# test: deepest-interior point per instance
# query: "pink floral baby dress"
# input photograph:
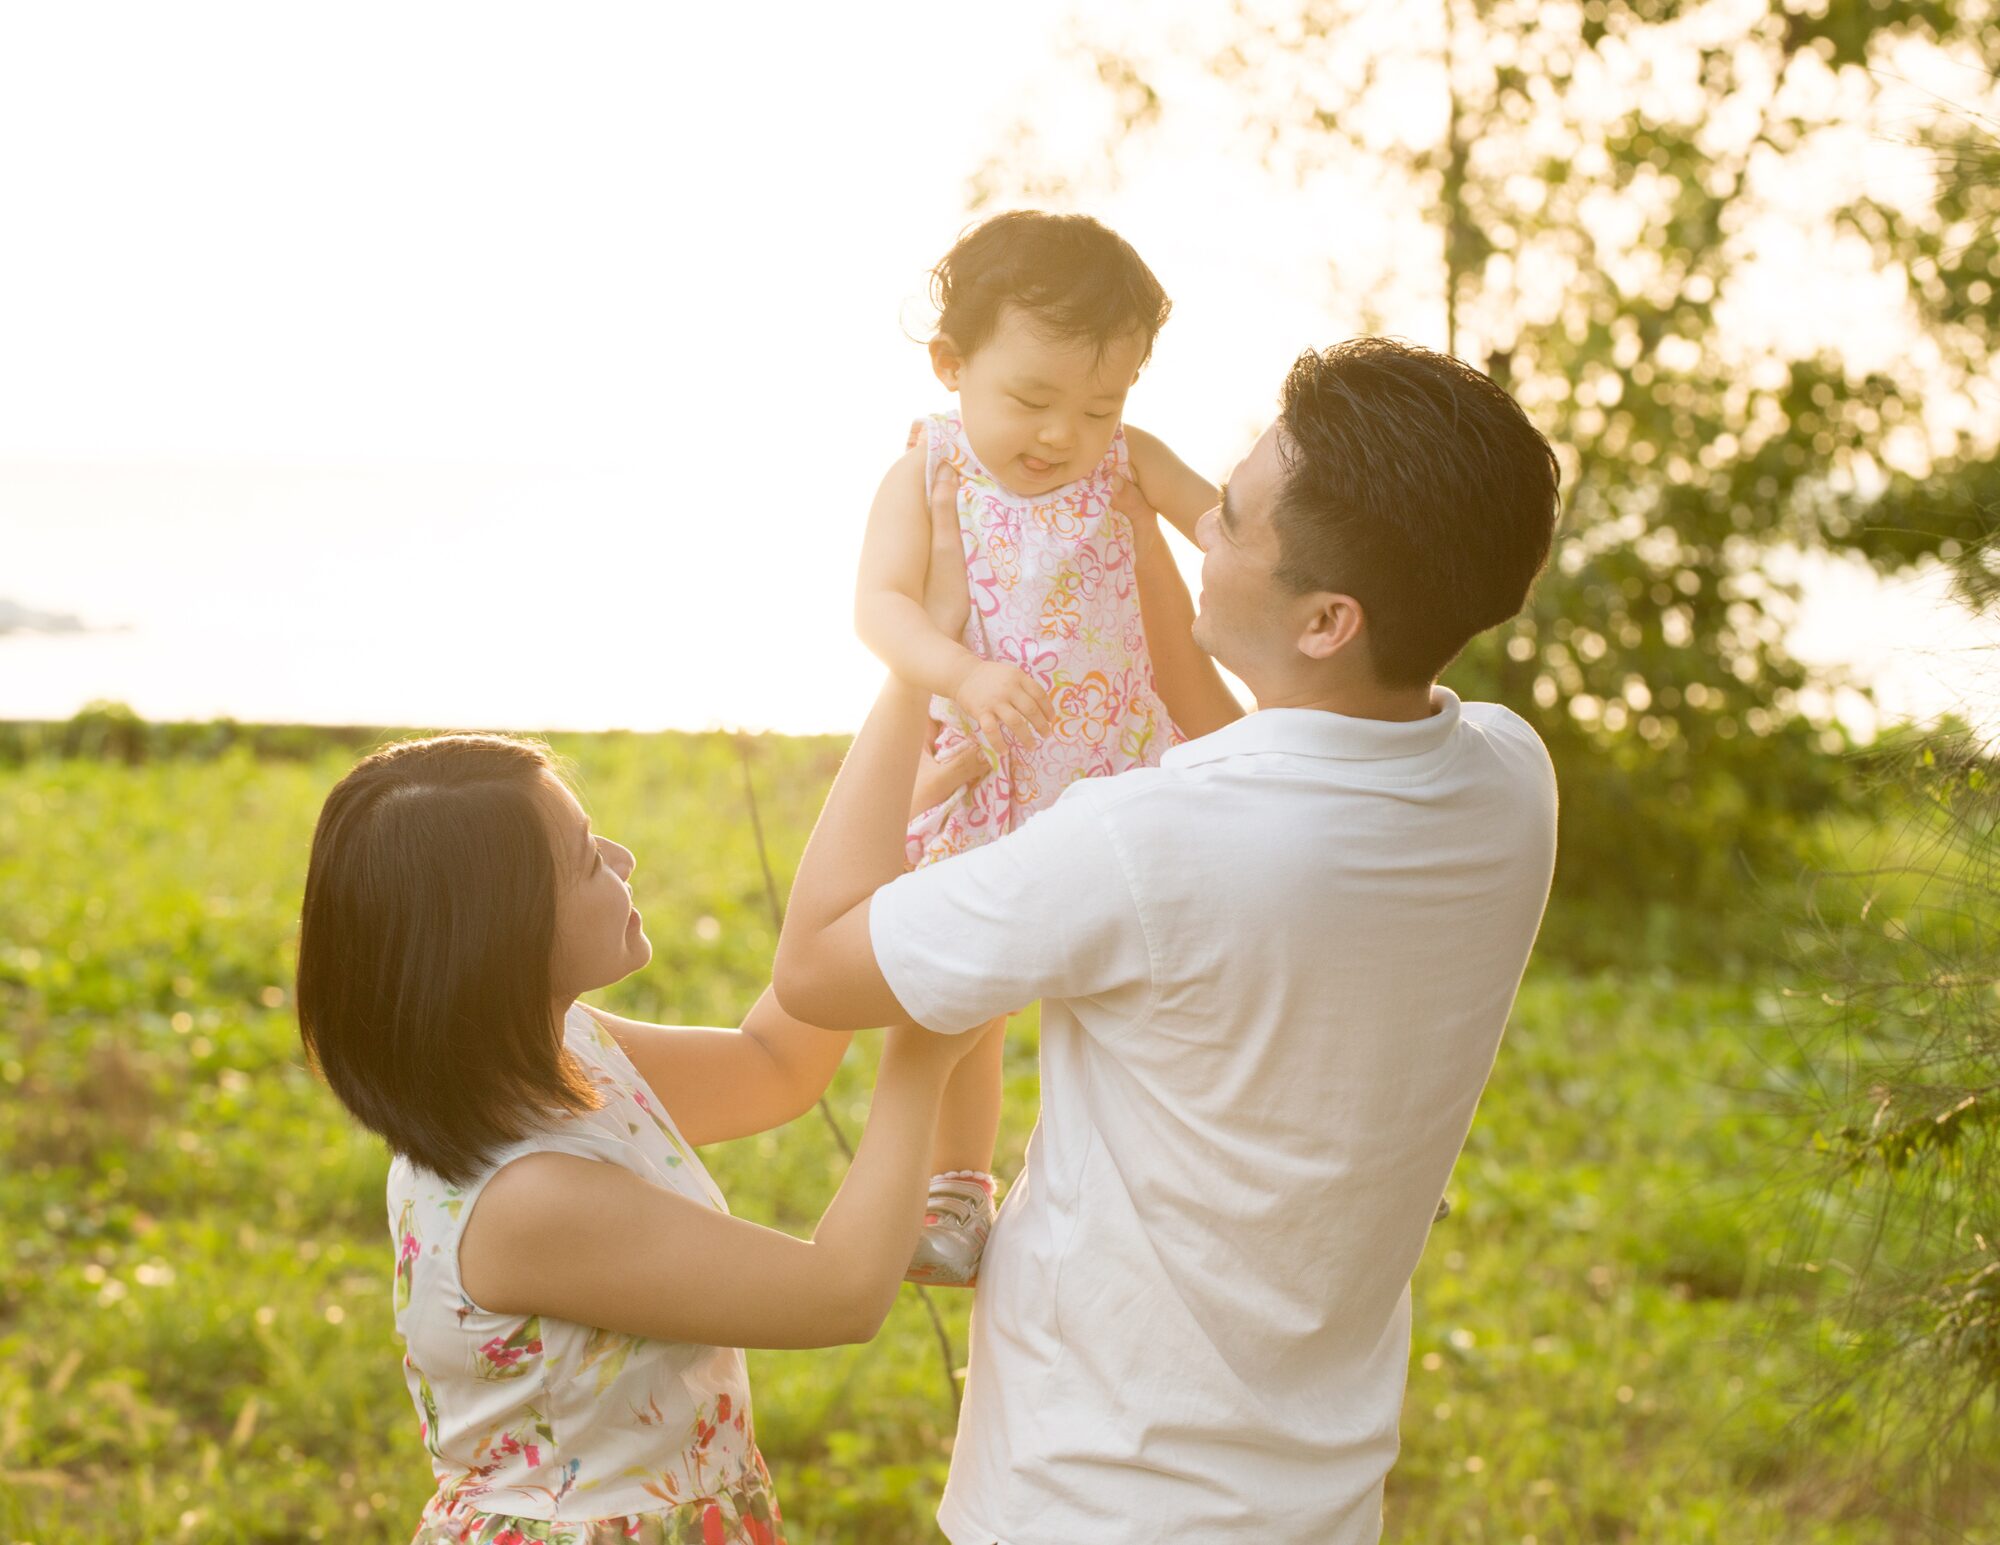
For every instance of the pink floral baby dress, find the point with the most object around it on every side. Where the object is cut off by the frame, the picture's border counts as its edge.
(1054, 592)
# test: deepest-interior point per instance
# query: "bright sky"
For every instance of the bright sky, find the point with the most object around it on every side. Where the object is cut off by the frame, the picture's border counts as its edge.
(503, 365)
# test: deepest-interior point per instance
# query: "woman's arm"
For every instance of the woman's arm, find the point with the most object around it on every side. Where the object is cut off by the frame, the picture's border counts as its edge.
(594, 1243)
(719, 1084)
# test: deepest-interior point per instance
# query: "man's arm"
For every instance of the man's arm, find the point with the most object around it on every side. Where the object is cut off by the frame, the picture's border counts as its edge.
(825, 972)
(1045, 910)
(824, 954)
(1167, 483)
(1190, 685)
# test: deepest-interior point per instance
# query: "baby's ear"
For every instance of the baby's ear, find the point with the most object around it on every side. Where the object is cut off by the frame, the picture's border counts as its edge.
(946, 361)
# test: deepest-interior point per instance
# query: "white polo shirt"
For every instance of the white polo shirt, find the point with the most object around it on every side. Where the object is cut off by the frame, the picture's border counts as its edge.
(1274, 972)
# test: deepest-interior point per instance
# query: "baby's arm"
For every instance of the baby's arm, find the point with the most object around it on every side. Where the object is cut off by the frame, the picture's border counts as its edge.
(1169, 484)
(889, 611)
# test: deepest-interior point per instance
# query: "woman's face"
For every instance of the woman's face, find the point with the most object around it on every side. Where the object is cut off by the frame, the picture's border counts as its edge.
(600, 937)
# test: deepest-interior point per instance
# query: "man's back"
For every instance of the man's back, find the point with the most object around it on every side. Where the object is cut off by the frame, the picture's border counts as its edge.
(1275, 972)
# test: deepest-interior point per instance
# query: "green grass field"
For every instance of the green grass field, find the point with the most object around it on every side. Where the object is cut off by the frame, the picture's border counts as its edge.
(195, 1335)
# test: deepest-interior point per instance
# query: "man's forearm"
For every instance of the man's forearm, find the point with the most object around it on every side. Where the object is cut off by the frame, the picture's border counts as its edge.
(1190, 685)
(857, 846)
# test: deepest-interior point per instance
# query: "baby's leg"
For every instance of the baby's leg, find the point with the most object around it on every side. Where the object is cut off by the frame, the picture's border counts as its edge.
(969, 1115)
(959, 1213)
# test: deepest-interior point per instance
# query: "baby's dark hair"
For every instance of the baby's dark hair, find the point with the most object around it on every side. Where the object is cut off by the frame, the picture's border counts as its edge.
(1077, 278)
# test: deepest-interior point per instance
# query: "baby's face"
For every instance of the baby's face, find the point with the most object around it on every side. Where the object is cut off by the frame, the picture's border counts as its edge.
(1039, 411)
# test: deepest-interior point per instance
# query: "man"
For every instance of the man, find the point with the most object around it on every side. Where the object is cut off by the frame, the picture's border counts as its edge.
(1274, 973)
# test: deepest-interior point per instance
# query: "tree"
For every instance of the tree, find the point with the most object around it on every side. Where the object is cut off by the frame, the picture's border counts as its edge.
(1607, 186)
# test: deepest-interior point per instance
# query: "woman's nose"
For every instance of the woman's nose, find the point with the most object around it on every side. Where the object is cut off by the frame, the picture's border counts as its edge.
(623, 861)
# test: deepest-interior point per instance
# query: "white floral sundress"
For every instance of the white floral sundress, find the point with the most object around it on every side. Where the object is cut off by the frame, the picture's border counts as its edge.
(1054, 592)
(540, 1430)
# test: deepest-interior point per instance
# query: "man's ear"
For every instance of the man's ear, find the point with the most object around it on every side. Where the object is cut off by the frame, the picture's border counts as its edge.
(946, 361)
(1336, 622)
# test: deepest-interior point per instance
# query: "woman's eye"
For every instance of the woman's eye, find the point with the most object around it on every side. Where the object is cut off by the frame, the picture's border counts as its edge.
(596, 860)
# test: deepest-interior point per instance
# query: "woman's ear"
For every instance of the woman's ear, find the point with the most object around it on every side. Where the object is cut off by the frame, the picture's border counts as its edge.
(946, 361)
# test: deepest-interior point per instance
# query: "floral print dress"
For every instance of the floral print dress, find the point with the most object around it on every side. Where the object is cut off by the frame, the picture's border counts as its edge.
(539, 1430)
(1054, 591)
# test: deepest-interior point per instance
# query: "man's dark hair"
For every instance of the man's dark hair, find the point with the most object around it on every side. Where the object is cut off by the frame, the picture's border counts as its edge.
(424, 950)
(1417, 486)
(1076, 278)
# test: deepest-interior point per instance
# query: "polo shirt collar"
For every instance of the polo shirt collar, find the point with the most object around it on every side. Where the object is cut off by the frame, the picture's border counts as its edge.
(1316, 732)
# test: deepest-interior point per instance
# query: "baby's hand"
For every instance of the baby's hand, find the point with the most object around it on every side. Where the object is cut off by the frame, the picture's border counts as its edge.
(1003, 697)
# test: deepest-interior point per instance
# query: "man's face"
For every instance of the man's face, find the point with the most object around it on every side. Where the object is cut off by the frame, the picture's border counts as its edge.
(1245, 617)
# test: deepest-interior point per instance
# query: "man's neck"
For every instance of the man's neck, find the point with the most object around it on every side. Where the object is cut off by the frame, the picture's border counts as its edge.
(1354, 700)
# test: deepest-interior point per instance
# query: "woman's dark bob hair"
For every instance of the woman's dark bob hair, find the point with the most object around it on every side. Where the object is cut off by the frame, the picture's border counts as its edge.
(424, 949)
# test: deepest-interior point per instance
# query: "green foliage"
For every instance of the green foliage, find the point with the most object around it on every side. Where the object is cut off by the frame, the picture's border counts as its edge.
(1598, 177)
(195, 1330)
(1901, 1020)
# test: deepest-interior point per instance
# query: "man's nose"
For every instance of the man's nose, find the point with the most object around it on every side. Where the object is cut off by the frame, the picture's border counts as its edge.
(1204, 527)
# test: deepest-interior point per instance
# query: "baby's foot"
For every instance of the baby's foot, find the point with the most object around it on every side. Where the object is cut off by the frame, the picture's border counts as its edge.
(957, 1219)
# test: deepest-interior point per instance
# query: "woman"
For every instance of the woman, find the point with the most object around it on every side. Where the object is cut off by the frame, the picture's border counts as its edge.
(570, 1286)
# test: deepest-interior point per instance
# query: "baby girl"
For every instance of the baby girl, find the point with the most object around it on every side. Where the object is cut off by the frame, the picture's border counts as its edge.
(1044, 322)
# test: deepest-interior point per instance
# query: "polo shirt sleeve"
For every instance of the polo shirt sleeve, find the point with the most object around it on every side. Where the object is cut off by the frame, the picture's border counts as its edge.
(1044, 912)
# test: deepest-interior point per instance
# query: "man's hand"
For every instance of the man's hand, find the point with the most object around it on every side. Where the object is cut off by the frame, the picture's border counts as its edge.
(1130, 500)
(947, 592)
(936, 780)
